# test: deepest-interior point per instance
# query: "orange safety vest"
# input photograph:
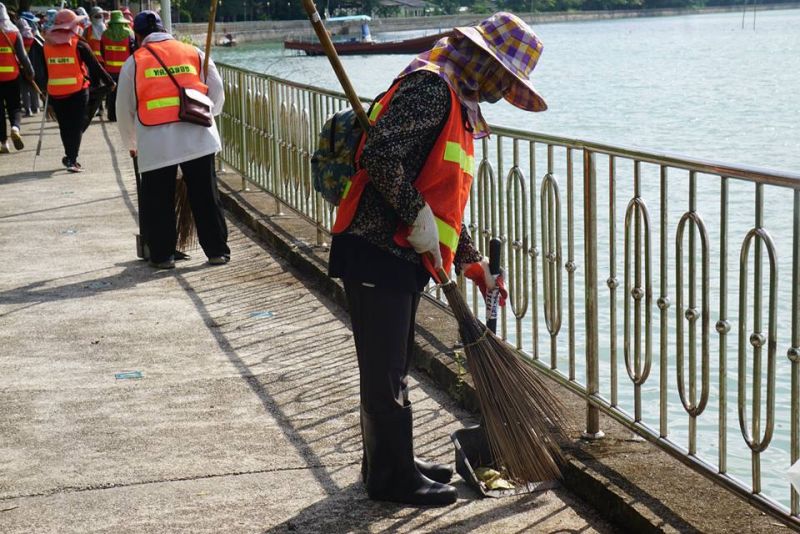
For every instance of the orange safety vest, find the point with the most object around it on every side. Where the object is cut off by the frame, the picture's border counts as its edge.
(95, 44)
(9, 68)
(27, 42)
(66, 73)
(444, 180)
(157, 100)
(115, 53)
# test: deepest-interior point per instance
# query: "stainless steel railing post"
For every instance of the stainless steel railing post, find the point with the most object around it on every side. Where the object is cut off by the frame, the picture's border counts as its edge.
(590, 259)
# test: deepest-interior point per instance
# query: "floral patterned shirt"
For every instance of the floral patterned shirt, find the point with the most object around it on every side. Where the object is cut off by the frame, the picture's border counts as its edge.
(394, 154)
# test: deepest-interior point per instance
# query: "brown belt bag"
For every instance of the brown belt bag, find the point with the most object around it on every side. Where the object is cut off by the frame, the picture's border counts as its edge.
(190, 109)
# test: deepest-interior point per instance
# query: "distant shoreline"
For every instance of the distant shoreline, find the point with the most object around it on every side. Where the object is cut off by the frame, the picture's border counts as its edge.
(278, 31)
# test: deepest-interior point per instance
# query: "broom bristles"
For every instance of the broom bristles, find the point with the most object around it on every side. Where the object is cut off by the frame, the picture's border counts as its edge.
(183, 215)
(521, 415)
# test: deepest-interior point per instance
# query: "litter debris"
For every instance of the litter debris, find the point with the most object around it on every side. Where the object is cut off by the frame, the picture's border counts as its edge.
(260, 314)
(492, 479)
(128, 375)
(97, 284)
(70, 231)
(9, 509)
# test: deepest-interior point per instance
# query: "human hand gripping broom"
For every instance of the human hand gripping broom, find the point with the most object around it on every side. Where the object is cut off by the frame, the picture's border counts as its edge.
(520, 413)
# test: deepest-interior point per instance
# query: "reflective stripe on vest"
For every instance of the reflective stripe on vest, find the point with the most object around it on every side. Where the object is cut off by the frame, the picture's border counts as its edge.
(66, 74)
(444, 181)
(156, 96)
(9, 68)
(115, 53)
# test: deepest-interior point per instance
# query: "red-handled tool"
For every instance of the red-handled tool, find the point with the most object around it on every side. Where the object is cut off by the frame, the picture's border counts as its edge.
(493, 297)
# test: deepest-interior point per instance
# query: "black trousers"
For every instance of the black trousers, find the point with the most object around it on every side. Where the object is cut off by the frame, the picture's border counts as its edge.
(157, 203)
(383, 328)
(11, 105)
(111, 100)
(96, 97)
(70, 112)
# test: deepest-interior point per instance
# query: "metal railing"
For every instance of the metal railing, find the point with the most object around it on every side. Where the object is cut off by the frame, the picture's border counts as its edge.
(547, 198)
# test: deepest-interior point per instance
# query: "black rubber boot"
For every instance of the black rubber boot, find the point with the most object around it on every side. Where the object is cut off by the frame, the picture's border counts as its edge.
(437, 472)
(391, 472)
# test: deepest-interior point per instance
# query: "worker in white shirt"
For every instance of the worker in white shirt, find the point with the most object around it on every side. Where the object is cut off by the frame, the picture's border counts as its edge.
(147, 117)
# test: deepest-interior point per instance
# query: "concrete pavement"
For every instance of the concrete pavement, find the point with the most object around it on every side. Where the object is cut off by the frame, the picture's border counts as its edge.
(245, 418)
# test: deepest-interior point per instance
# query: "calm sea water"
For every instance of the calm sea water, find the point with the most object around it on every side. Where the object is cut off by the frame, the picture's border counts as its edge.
(698, 85)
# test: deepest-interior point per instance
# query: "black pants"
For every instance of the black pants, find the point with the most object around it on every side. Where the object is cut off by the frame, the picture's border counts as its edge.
(96, 97)
(70, 112)
(383, 329)
(111, 100)
(11, 105)
(157, 203)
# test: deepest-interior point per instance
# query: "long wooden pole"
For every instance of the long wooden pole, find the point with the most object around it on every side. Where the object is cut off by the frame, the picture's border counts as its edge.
(330, 51)
(212, 15)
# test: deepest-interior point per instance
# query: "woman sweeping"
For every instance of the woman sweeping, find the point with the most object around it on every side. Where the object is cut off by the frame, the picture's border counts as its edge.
(14, 65)
(419, 161)
(70, 66)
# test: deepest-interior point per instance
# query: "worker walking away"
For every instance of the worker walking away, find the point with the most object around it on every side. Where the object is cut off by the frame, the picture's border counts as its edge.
(36, 57)
(151, 127)
(94, 35)
(14, 65)
(401, 218)
(117, 44)
(70, 63)
(35, 52)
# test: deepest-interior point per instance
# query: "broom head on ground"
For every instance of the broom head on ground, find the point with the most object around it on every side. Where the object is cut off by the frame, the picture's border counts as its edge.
(521, 415)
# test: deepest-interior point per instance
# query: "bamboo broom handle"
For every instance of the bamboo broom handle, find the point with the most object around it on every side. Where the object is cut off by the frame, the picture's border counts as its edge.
(330, 51)
(212, 15)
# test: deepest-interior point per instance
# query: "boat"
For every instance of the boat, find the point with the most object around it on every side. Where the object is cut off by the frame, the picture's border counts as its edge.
(345, 44)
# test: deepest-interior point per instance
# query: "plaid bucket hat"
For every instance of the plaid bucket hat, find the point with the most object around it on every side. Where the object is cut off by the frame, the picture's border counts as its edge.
(514, 45)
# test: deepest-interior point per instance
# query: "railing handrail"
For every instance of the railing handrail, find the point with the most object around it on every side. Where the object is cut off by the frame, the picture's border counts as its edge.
(744, 172)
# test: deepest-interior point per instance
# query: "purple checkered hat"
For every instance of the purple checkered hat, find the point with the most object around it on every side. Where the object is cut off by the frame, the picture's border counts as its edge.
(510, 41)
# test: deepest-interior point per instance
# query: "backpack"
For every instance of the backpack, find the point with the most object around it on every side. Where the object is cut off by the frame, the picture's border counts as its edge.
(333, 163)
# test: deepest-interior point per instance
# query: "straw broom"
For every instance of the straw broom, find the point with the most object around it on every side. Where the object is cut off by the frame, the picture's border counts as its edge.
(521, 415)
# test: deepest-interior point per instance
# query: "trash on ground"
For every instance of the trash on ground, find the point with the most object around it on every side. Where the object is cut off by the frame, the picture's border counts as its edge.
(261, 314)
(128, 375)
(492, 478)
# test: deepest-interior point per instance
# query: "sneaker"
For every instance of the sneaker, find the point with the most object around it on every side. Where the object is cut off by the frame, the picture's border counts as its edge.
(169, 263)
(4, 149)
(74, 166)
(218, 260)
(16, 138)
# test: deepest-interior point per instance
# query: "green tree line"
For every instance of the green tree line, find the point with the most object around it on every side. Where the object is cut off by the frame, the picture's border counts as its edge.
(233, 10)
(236, 10)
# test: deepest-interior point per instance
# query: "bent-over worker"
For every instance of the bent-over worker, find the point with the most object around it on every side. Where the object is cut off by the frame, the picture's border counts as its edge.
(148, 120)
(418, 162)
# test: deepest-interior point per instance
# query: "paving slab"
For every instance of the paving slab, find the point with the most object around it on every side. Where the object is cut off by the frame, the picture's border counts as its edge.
(245, 415)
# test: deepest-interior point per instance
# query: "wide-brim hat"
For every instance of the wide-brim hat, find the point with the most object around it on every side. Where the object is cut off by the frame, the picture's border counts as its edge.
(118, 18)
(67, 20)
(510, 41)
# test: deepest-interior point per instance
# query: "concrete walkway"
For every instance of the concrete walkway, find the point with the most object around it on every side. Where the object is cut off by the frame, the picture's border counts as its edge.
(246, 415)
